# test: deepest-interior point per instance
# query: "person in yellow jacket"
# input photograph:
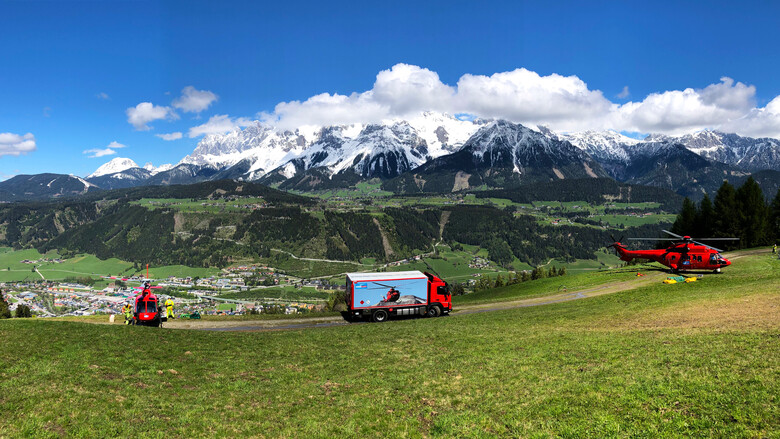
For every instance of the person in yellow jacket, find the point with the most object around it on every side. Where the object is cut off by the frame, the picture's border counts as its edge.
(169, 308)
(128, 311)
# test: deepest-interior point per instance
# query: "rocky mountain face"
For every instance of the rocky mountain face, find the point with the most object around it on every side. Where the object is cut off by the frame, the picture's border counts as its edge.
(690, 165)
(439, 152)
(500, 154)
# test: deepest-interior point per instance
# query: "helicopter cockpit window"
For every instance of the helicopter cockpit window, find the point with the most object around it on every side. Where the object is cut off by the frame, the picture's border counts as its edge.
(147, 306)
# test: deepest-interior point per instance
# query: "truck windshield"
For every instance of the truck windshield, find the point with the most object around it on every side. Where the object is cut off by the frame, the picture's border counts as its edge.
(444, 290)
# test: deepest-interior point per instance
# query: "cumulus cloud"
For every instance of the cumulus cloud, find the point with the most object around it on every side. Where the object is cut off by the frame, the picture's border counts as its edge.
(145, 112)
(16, 144)
(102, 152)
(758, 122)
(193, 100)
(170, 136)
(682, 111)
(564, 103)
(521, 95)
(219, 124)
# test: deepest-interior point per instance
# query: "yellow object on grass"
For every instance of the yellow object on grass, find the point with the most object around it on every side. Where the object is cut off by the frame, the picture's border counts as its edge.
(690, 279)
(670, 281)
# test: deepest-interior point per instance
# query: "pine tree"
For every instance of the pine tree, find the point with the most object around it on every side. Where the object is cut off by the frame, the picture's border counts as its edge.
(774, 223)
(753, 214)
(499, 281)
(727, 213)
(686, 219)
(705, 218)
(5, 312)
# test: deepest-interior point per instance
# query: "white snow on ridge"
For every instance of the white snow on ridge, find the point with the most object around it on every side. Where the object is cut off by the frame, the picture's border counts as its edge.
(118, 164)
(86, 184)
(268, 148)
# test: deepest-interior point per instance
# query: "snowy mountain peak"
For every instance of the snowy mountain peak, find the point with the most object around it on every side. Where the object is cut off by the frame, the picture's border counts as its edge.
(154, 170)
(118, 164)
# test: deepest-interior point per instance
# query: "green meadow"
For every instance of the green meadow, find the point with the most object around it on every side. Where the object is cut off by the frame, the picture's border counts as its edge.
(686, 360)
(12, 269)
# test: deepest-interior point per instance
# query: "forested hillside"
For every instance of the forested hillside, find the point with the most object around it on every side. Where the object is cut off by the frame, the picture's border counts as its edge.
(592, 190)
(218, 223)
(743, 213)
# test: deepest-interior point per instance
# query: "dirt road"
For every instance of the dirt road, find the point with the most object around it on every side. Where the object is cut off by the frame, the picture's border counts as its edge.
(288, 324)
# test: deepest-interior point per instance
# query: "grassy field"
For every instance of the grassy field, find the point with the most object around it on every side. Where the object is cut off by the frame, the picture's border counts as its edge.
(285, 293)
(693, 360)
(12, 269)
(244, 205)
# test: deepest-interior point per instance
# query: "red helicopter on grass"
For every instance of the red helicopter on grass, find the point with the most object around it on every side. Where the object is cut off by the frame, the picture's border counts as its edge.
(684, 254)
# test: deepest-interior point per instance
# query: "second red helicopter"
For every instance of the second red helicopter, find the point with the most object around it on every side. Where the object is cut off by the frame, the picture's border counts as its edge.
(684, 254)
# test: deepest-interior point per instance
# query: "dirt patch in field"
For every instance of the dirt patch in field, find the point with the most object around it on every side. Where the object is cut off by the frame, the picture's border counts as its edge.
(759, 311)
(385, 242)
(461, 181)
(445, 217)
(589, 171)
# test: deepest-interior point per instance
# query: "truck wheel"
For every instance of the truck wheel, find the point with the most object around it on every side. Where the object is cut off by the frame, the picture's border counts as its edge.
(380, 315)
(434, 311)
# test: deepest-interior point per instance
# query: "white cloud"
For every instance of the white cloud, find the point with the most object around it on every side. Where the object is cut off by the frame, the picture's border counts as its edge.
(193, 100)
(102, 152)
(219, 124)
(758, 122)
(16, 144)
(103, 96)
(145, 112)
(170, 136)
(564, 103)
(682, 111)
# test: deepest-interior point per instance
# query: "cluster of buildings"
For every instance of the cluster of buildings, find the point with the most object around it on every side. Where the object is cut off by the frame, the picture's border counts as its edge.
(43, 260)
(55, 298)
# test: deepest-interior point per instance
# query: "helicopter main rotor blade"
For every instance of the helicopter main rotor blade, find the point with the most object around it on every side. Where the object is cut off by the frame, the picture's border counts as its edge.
(652, 239)
(708, 246)
(717, 239)
(673, 234)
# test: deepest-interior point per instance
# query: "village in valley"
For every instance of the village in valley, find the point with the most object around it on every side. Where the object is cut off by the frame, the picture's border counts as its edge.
(219, 294)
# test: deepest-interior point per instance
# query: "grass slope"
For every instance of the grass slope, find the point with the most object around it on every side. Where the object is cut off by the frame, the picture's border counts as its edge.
(692, 360)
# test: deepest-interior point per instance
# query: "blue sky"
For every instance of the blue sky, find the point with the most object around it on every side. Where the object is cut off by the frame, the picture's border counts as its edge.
(72, 70)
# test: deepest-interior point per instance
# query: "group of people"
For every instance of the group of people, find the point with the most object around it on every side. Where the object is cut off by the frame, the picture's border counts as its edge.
(130, 309)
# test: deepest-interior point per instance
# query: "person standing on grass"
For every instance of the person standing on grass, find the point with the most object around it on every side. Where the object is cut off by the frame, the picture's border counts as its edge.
(169, 308)
(774, 249)
(128, 310)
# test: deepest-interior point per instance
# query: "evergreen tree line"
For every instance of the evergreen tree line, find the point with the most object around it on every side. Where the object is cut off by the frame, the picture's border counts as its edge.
(485, 283)
(22, 311)
(742, 213)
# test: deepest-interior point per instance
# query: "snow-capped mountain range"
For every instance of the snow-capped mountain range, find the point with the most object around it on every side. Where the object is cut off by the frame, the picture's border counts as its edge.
(394, 147)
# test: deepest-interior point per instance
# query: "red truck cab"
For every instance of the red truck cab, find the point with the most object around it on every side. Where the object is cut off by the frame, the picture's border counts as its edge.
(379, 296)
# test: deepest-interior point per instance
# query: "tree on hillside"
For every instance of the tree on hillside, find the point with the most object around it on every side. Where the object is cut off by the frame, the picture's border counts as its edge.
(5, 312)
(499, 251)
(704, 224)
(726, 212)
(23, 311)
(774, 223)
(753, 214)
(686, 219)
